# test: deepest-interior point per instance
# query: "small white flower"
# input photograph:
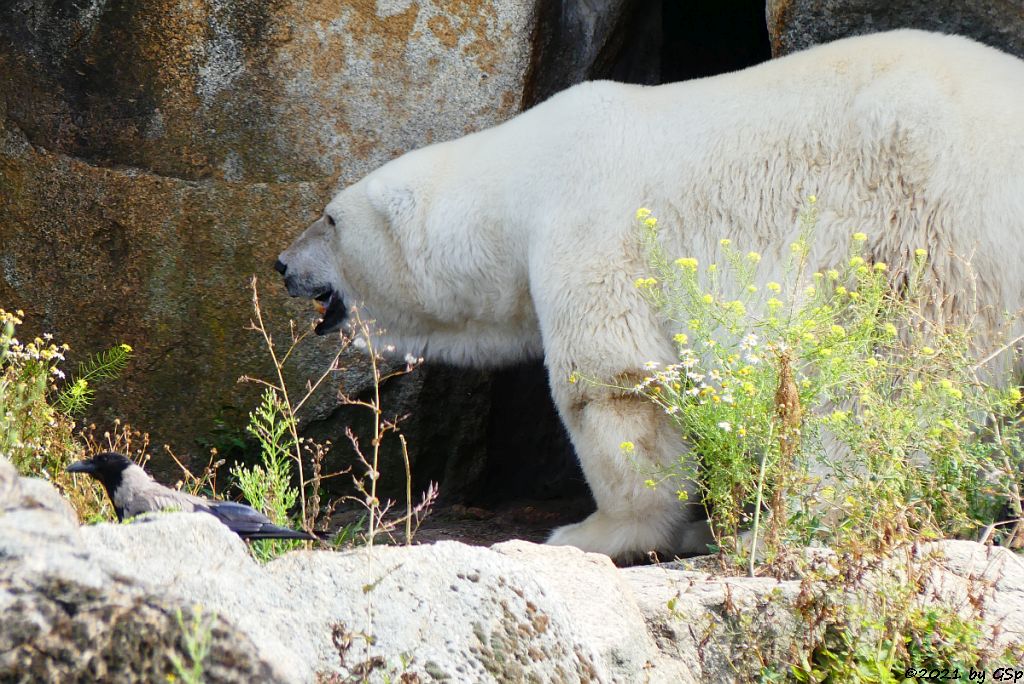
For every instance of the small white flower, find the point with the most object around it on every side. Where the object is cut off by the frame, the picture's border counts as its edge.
(390, 348)
(650, 365)
(727, 399)
(749, 342)
(724, 426)
(359, 343)
(410, 359)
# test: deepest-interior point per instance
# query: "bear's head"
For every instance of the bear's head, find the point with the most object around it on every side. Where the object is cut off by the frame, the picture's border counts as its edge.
(352, 255)
(426, 255)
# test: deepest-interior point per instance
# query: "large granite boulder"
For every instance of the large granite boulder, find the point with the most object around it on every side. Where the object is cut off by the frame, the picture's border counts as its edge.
(100, 603)
(65, 618)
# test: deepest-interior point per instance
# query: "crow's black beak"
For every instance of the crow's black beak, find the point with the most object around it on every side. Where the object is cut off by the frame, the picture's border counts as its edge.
(82, 467)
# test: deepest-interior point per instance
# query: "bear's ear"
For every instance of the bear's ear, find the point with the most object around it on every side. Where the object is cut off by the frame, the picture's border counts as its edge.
(394, 199)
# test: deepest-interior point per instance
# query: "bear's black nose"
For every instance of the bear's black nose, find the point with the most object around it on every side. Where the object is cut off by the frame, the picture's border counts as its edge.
(280, 267)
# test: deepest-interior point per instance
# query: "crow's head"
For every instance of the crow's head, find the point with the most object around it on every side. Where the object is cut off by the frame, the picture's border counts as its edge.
(106, 467)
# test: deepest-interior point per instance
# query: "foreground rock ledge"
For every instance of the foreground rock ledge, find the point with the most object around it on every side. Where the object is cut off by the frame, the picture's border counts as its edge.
(99, 603)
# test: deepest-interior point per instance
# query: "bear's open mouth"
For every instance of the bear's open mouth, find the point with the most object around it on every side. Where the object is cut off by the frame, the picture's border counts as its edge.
(332, 308)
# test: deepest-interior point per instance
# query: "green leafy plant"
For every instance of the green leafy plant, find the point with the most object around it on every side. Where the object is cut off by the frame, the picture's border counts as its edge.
(816, 394)
(197, 638)
(78, 394)
(275, 426)
(838, 407)
(38, 406)
(267, 486)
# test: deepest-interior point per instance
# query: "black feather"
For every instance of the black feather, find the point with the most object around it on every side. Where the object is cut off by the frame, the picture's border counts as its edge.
(247, 522)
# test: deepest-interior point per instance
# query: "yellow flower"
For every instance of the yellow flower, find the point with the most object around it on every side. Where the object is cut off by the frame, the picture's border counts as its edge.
(809, 291)
(927, 351)
(712, 268)
(856, 261)
(749, 388)
(639, 283)
(127, 348)
(920, 253)
(809, 337)
(708, 299)
(796, 247)
(681, 338)
(818, 275)
(825, 351)
(627, 447)
(812, 199)
(890, 329)
(855, 295)
(573, 377)
(774, 287)
(751, 288)
(642, 213)
(725, 242)
(838, 330)
(863, 270)
(651, 222)
(872, 362)
(833, 274)
(736, 306)
(688, 263)
(947, 386)
(859, 237)
(754, 257)
(880, 266)
(774, 304)
(650, 484)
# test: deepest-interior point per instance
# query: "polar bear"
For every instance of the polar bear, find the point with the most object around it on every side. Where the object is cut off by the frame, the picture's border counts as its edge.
(519, 241)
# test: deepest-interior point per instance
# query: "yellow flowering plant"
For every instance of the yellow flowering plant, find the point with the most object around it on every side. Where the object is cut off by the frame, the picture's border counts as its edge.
(827, 398)
(38, 404)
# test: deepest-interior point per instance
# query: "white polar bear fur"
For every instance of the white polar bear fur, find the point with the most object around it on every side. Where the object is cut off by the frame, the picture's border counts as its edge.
(519, 241)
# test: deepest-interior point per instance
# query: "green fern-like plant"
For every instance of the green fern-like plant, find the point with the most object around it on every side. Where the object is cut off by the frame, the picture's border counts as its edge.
(78, 394)
(267, 485)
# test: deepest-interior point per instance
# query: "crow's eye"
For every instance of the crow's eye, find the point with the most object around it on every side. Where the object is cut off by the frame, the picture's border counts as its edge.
(330, 220)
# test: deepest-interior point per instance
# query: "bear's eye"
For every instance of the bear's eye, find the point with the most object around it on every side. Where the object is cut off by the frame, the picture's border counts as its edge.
(330, 220)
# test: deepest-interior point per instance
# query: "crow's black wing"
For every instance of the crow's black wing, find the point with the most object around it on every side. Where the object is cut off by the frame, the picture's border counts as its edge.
(247, 522)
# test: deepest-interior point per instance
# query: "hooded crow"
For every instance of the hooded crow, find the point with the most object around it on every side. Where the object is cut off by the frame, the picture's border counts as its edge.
(133, 492)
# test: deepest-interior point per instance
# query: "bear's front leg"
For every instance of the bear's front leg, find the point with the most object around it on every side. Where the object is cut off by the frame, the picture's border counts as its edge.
(632, 519)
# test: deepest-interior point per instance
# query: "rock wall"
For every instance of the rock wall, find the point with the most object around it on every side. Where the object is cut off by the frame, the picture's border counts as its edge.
(797, 24)
(156, 154)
